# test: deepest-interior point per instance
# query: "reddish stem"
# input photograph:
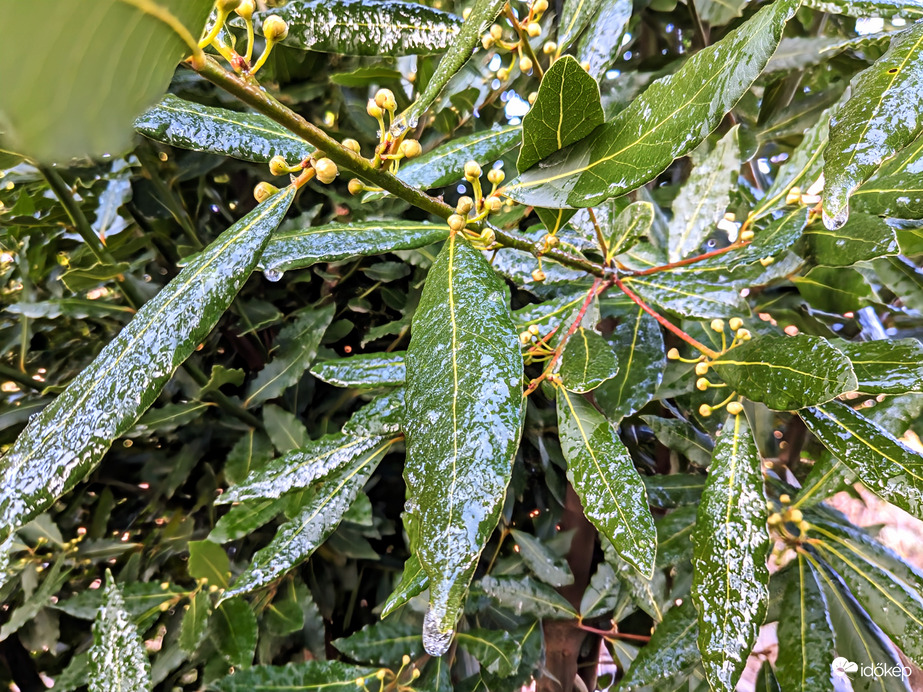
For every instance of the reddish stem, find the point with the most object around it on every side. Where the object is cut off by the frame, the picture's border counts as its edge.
(688, 260)
(613, 634)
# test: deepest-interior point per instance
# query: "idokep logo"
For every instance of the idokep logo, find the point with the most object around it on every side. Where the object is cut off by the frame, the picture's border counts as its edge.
(842, 668)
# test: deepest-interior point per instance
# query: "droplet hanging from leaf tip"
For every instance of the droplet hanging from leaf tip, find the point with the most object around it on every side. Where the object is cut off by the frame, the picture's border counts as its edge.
(836, 222)
(435, 641)
(273, 274)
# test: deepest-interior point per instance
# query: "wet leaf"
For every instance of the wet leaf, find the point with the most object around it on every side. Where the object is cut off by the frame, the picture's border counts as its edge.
(36, 602)
(245, 518)
(895, 189)
(70, 436)
(886, 367)
(138, 598)
(496, 650)
(672, 649)
(885, 465)
(247, 136)
(382, 643)
(766, 679)
(524, 595)
(413, 581)
(602, 473)
(679, 490)
(836, 290)
(328, 676)
(566, 109)
(383, 415)
(787, 373)
(603, 595)
(902, 277)
(64, 119)
(303, 247)
(463, 419)
(674, 536)
(883, 115)
(363, 370)
(673, 115)
(730, 586)
(575, 15)
(863, 238)
(687, 294)
(117, 657)
(388, 27)
(683, 437)
(869, 8)
(234, 632)
(544, 564)
(587, 362)
(195, 622)
(633, 223)
(599, 44)
(251, 451)
(207, 560)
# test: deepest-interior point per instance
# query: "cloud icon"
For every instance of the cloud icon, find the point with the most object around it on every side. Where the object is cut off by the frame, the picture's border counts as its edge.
(842, 666)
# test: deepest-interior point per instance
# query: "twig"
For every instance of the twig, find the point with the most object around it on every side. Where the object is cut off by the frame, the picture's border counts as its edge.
(687, 261)
(613, 634)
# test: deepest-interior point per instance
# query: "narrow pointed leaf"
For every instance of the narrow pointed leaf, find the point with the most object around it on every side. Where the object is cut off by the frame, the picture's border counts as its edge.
(883, 115)
(911, 9)
(673, 115)
(787, 373)
(902, 277)
(587, 362)
(496, 650)
(674, 536)
(863, 238)
(672, 649)
(382, 643)
(245, 518)
(730, 585)
(363, 370)
(886, 367)
(463, 418)
(195, 622)
(117, 657)
(524, 595)
(575, 16)
(246, 136)
(897, 188)
(70, 436)
(603, 595)
(566, 109)
(679, 490)
(413, 581)
(320, 676)
(602, 473)
(383, 415)
(885, 465)
(544, 564)
(685, 438)
(599, 45)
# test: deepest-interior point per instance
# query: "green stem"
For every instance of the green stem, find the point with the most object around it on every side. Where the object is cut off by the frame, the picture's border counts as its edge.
(524, 40)
(19, 378)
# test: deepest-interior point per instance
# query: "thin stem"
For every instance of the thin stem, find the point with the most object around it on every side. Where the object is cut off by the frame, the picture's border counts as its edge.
(664, 322)
(599, 232)
(170, 199)
(687, 261)
(700, 30)
(19, 378)
(164, 15)
(524, 40)
(613, 634)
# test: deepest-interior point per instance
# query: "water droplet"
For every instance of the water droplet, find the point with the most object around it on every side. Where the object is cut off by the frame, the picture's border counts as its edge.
(272, 274)
(435, 642)
(836, 222)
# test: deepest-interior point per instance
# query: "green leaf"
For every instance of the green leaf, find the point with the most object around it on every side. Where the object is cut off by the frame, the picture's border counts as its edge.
(413, 581)
(679, 490)
(244, 518)
(383, 415)
(117, 658)
(705, 196)
(787, 373)
(896, 189)
(863, 238)
(598, 46)
(363, 370)
(496, 650)
(674, 536)
(463, 419)
(575, 15)
(730, 586)
(298, 346)
(603, 595)
(910, 9)
(544, 564)
(367, 76)
(245, 136)
(524, 595)
(766, 679)
(221, 376)
(587, 362)
(671, 117)
(207, 560)
(720, 12)
(672, 649)
(886, 367)
(883, 115)
(69, 437)
(304, 533)
(633, 223)
(328, 676)
(382, 643)
(251, 451)
(234, 632)
(36, 601)
(683, 437)
(303, 247)
(566, 109)
(483, 13)
(602, 473)
(806, 644)
(638, 347)
(65, 119)
(286, 614)
(302, 467)
(365, 27)
(195, 622)
(687, 294)
(885, 465)
(902, 277)
(834, 289)
(139, 599)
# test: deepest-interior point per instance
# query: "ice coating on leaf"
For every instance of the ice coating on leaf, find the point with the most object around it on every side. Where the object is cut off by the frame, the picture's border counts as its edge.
(117, 658)
(70, 436)
(435, 641)
(731, 543)
(363, 370)
(910, 9)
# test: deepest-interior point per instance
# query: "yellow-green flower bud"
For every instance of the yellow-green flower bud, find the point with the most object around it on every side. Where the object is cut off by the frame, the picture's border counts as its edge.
(493, 204)
(465, 204)
(701, 384)
(227, 6)
(373, 109)
(326, 170)
(539, 6)
(701, 368)
(355, 186)
(744, 334)
(538, 275)
(264, 191)
(496, 32)
(385, 99)
(717, 326)
(411, 148)
(246, 9)
(735, 408)
(534, 29)
(735, 323)
(457, 222)
(487, 41)
(525, 64)
(496, 176)
(503, 74)
(472, 170)
(488, 236)
(533, 328)
(705, 410)
(525, 338)
(352, 145)
(549, 47)
(673, 354)
(278, 166)
(795, 516)
(274, 28)
(746, 236)
(532, 97)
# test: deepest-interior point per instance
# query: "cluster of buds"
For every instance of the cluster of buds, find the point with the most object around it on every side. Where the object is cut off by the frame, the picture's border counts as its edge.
(527, 28)
(529, 335)
(780, 518)
(317, 165)
(476, 209)
(389, 149)
(275, 29)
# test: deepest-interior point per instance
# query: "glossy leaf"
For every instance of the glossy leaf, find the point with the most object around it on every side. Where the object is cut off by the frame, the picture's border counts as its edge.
(138, 598)
(464, 414)
(863, 238)
(207, 560)
(886, 367)
(363, 370)
(911, 9)
(602, 473)
(633, 223)
(683, 437)
(673, 115)
(303, 247)
(523, 595)
(117, 657)
(245, 518)
(587, 362)
(575, 15)
(234, 632)
(787, 373)
(687, 294)
(383, 415)
(598, 46)
(195, 622)
(730, 584)
(382, 643)
(766, 679)
(902, 277)
(603, 595)
(247, 136)
(496, 650)
(413, 581)
(896, 188)
(672, 649)
(388, 27)
(544, 564)
(325, 676)
(566, 109)
(834, 289)
(679, 490)
(70, 436)
(885, 465)
(883, 115)
(251, 451)
(674, 536)
(64, 118)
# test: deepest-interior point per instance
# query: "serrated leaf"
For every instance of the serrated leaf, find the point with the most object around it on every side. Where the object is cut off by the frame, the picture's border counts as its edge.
(587, 362)
(496, 650)
(64, 119)
(246, 136)
(673, 115)
(575, 15)
(602, 473)
(566, 109)
(365, 27)
(598, 46)
(299, 342)
(787, 373)
(69, 437)
(304, 247)
(234, 632)
(672, 649)
(863, 238)
(363, 370)
(207, 560)
(704, 198)
(895, 189)
(413, 581)
(544, 564)
(687, 294)
(885, 465)
(730, 586)
(886, 367)
(883, 115)
(329, 676)
(806, 644)
(679, 490)
(117, 658)
(638, 346)
(463, 419)
(382, 643)
(524, 595)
